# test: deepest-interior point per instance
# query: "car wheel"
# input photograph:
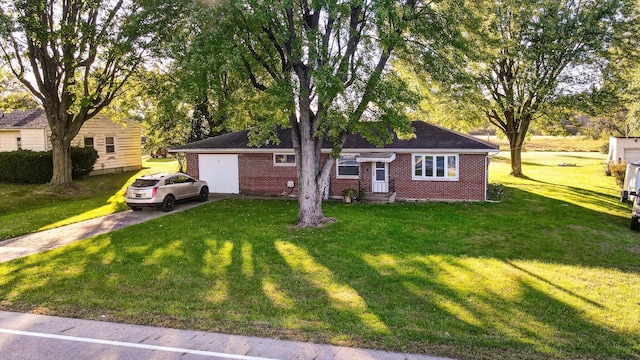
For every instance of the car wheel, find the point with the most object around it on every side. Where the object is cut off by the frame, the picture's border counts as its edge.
(635, 225)
(135, 208)
(204, 194)
(168, 203)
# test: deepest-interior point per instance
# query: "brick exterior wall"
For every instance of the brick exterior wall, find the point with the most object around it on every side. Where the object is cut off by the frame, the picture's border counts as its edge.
(259, 176)
(193, 165)
(470, 185)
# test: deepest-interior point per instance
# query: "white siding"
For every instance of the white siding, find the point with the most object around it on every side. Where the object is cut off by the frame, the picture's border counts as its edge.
(127, 136)
(8, 140)
(623, 150)
(34, 139)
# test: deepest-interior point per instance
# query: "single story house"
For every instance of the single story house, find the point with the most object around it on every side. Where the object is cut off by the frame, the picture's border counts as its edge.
(117, 144)
(437, 164)
(623, 150)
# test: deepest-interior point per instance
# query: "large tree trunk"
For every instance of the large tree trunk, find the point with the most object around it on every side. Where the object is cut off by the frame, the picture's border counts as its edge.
(309, 195)
(516, 140)
(61, 163)
(311, 181)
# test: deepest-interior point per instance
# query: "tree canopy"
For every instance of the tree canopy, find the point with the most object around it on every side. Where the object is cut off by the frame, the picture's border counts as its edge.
(12, 94)
(322, 69)
(75, 56)
(529, 53)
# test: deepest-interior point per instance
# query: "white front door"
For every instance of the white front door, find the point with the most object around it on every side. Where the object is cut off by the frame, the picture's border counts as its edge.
(380, 178)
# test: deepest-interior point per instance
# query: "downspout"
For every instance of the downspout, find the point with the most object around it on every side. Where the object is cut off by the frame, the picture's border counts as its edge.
(486, 176)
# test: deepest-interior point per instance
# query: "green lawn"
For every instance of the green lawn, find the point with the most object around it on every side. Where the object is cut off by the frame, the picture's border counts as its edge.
(550, 271)
(29, 208)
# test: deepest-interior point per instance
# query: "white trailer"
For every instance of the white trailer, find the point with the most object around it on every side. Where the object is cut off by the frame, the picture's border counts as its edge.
(631, 184)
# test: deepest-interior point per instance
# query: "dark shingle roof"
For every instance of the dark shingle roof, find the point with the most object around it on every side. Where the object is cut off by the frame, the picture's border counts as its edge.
(23, 119)
(428, 136)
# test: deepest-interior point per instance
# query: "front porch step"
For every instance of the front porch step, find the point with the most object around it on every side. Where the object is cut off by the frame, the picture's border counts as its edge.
(380, 198)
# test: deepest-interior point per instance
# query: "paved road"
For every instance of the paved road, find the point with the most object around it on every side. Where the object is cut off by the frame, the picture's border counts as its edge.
(29, 336)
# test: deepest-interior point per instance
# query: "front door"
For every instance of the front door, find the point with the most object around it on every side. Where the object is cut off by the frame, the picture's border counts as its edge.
(380, 178)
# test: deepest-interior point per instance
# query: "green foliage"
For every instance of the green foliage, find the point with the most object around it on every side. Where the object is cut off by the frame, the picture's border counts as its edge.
(25, 167)
(82, 161)
(618, 171)
(521, 56)
(36, 167)
(91, 47)
(17, 101)
(323, 69)
(202, 92)
(549, 272)
(349, 192)
(12, 94)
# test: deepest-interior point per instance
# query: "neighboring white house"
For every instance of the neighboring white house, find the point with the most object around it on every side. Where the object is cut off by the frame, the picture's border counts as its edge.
(118, 144)
(623, 150)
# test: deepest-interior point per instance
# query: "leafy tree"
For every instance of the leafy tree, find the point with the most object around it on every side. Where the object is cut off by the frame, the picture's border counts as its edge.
(12, 95)
(321, 69)
(198, 91)
(75, 56)
(529, 53)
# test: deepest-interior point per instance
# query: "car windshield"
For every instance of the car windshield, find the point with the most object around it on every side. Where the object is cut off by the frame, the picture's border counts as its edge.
(144, 183)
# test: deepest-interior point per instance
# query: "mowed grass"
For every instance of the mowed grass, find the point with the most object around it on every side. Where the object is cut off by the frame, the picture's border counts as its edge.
(550, 271)
(29, 208)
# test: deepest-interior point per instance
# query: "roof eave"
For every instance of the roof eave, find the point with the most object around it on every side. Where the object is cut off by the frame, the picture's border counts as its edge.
(354, 150)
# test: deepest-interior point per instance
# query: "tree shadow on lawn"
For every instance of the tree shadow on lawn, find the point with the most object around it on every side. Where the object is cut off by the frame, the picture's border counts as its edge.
(444, 279)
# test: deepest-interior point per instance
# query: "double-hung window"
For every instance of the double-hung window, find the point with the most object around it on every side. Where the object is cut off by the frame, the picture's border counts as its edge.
(435, 166)
(347, 167)
(110, 144)
(89, 142)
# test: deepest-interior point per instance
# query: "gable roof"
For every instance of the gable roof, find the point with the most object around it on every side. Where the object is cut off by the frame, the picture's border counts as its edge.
(428, 137)
(32, 119)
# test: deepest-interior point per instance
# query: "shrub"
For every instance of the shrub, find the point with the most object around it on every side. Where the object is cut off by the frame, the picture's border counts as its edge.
(604, 148)
(618, 172)
(82, 161)
(36, 167)
(25, 167)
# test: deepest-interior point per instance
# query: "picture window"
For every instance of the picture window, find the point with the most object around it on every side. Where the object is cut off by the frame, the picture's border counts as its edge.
(284, 159)
(348, 167)
(435, 167)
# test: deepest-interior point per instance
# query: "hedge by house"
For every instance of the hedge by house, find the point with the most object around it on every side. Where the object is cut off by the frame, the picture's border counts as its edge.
(36, 167)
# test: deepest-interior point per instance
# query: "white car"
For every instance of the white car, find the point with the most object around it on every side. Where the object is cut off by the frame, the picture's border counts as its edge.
(162, 191)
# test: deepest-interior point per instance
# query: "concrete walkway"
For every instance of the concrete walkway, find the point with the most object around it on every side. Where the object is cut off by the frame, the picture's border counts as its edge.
(29, 336)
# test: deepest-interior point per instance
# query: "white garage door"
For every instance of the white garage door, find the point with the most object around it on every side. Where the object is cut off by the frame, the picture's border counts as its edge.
(631, 155)
(220, 172)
